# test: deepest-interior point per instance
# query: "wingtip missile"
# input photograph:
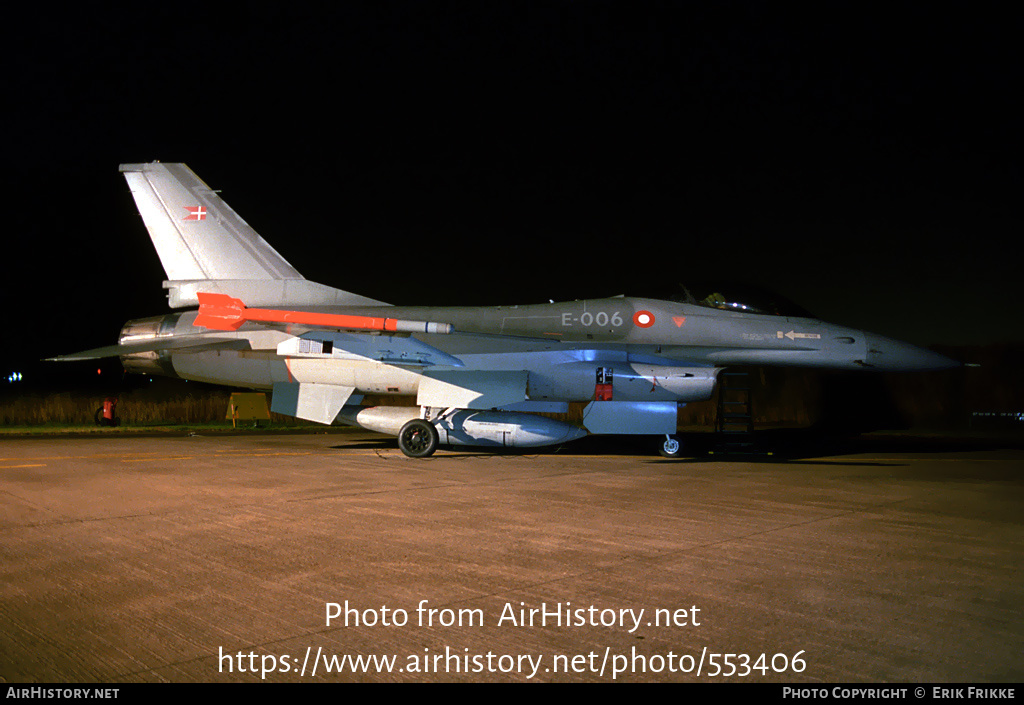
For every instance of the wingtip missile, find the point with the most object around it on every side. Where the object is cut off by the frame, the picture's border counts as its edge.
(223, 312)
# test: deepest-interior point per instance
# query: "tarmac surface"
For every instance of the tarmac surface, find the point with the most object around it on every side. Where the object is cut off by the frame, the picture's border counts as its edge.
(219, 558)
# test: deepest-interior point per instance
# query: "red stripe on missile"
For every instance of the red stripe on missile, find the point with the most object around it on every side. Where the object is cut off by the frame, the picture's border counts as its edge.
(222, 312)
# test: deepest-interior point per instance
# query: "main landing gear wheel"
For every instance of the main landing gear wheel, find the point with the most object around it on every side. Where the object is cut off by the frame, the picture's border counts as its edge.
(418, 439)
(671, 447)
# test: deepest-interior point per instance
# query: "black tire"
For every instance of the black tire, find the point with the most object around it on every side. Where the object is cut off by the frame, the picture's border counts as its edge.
(418, 439)
(98, 416)
(670, 447)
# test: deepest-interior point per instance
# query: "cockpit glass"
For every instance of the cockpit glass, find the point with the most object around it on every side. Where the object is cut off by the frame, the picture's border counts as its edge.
(730, 296)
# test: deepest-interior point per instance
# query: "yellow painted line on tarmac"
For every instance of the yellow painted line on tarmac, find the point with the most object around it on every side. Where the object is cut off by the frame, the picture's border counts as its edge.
(268, 455)
(261, 454)
(72, 457)
(207, 457)
(8, 467)
(165, 457)
(149, 457)
(155, 455)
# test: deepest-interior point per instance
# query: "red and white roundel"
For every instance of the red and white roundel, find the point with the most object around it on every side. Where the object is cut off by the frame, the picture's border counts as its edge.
(644, 319)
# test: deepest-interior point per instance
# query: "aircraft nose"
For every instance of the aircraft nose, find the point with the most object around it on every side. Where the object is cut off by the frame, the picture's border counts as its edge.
(892, 355)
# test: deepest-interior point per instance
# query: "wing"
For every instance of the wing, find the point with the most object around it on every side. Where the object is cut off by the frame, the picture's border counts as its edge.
(179, 344)
(389, 349)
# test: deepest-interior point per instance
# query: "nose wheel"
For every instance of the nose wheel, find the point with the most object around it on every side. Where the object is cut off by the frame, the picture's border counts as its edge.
(671, 447)
(418, 438)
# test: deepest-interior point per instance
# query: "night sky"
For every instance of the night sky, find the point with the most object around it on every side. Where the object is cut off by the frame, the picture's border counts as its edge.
(862, 161)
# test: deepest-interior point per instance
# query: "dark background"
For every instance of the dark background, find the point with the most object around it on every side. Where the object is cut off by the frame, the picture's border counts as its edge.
(861, 160)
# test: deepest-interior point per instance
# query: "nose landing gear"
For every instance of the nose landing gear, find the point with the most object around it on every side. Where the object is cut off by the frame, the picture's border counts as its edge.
(671, 447)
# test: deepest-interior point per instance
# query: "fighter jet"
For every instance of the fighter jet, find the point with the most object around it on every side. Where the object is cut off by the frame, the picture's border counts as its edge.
(480, 375)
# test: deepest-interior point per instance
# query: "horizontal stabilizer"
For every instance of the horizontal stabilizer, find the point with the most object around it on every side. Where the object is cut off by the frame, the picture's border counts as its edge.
(179, 344)
(223, 312)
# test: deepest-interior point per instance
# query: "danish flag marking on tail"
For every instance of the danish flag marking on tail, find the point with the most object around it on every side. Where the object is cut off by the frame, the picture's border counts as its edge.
(195, 213)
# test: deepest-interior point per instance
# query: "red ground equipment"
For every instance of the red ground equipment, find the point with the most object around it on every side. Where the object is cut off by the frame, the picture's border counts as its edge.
(107, 414)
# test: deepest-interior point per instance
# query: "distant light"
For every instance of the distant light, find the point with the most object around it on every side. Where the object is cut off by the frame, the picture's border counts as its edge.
(99, 371)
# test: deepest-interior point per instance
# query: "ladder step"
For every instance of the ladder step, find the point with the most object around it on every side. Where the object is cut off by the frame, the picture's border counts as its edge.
(735, 407)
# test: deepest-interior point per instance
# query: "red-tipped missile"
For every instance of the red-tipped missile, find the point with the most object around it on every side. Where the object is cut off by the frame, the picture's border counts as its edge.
(222, 312)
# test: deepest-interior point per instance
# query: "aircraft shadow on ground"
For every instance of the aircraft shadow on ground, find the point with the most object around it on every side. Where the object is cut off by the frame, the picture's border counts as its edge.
(773, 446)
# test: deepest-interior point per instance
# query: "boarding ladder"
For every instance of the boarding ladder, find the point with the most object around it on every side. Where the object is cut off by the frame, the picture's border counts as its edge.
(734, 424)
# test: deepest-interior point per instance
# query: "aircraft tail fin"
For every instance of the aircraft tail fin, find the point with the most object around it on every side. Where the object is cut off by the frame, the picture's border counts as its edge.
(196, 234)
(204, 245)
